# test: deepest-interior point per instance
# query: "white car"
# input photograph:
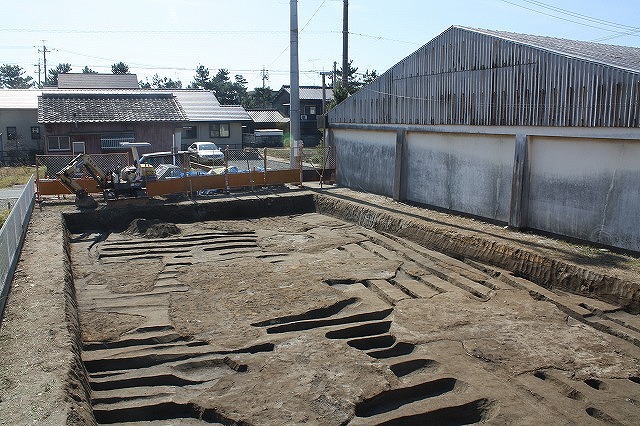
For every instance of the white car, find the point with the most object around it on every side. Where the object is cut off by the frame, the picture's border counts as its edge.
(207, 152)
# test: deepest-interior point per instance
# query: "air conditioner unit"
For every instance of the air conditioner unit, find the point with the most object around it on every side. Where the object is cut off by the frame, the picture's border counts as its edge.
(304, 117)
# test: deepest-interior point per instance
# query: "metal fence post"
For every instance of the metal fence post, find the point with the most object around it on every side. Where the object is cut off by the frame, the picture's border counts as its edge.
(264, 170)
(301, 157)
(226, 169)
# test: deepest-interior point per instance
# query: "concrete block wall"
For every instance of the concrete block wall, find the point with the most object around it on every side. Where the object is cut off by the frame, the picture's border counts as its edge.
(579, 184)
(464, 173)
(368, 160)
(586, 188)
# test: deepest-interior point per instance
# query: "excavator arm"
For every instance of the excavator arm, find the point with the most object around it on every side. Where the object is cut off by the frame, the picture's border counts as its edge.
(83, 199)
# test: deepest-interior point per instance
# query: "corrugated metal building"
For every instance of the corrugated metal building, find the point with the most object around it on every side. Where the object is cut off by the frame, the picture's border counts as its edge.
(533, 131)
(481, 77)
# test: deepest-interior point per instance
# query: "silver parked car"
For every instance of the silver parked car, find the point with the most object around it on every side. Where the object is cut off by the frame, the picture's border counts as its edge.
(206, 152)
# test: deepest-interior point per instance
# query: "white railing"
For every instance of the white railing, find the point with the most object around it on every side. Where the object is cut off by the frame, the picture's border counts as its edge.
(12, 236)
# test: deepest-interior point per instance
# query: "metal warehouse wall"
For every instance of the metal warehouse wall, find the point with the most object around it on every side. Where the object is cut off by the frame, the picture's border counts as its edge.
(466, 77)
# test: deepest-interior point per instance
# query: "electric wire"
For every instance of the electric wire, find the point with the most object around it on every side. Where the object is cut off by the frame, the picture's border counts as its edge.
(601, 22)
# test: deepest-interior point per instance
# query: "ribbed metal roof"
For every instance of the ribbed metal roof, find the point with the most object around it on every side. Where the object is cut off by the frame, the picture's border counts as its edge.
(91, 108)
(19, 98)
(311, 92)
(202, 105)
(267, 116)
(618, 56)
(97, 81)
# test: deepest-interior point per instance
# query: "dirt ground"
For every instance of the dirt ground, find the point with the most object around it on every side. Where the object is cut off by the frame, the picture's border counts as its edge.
(307, 319)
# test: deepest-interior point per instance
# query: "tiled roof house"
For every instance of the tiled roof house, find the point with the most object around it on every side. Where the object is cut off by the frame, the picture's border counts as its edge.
(94, 115)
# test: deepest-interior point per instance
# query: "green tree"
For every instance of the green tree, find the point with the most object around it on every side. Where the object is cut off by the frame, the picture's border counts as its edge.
(368, 77)
(227, 92)
(120, 68)
(52, 79)
(260, 98)
(11, 77)
(158, 82)
(201, 80)
(223, 88)
(354, 83)
(87, 70)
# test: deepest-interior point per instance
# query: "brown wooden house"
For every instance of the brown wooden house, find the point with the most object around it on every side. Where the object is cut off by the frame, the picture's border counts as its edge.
(97, 121)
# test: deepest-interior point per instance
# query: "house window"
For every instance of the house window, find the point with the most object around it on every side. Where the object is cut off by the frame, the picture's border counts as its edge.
(311, 110)
(12, 133)
(58, 143)
(219, 130)
(113, 140)
(190, 132)
(35, 132)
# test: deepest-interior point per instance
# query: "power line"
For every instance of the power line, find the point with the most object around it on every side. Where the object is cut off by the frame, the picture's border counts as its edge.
(303, 28)
(618, 33)
(581, 16)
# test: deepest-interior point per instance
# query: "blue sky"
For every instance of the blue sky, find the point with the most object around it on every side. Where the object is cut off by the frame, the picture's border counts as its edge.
(172, 38)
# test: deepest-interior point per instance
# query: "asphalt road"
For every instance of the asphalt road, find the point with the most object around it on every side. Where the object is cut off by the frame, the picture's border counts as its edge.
(10, 195)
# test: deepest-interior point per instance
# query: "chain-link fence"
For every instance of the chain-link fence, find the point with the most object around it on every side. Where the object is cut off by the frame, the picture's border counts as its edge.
(247, 167)
(48, 166)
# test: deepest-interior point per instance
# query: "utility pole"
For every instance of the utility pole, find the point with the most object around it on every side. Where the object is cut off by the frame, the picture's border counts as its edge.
(264, 75)
(345, 43)
(44, 56)
(324, 108)
(334, 78)
(294, 108)
(39, 71)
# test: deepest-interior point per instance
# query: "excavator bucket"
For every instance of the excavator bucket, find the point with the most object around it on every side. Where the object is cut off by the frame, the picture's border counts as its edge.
(85, 201)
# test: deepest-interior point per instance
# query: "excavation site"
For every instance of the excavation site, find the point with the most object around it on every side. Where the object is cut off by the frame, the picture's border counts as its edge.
(310, 307)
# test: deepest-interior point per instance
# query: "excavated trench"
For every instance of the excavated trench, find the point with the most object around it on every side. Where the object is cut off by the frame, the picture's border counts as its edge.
(313, 309)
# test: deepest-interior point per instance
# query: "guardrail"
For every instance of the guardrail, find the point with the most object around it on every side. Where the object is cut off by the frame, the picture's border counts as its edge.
(12, 236)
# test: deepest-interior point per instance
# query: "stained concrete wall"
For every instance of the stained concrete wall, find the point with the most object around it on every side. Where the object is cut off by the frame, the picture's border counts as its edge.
(575, 182)
(367, 160)
(586, 188)
(464, 173)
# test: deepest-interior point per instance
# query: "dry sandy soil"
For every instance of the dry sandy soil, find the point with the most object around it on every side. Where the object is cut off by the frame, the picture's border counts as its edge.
(307, 319)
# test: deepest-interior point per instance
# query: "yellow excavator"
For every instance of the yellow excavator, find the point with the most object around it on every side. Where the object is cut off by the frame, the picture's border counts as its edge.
(129, 181)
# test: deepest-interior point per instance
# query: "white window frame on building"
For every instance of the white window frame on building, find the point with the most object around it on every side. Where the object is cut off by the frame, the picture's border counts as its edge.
(111, 141)
(62, 143)
(219, 130)
(78, 147)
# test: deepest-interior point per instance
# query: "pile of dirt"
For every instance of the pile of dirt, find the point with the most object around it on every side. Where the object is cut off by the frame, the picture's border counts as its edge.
(152, 228)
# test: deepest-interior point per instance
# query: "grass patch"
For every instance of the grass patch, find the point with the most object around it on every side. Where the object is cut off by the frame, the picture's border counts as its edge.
(4, 213)
(10, 176)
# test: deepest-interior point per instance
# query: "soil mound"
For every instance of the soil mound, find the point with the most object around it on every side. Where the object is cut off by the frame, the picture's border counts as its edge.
(152, 228)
